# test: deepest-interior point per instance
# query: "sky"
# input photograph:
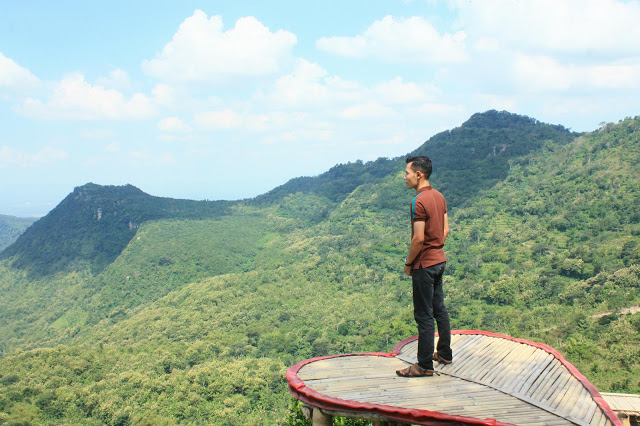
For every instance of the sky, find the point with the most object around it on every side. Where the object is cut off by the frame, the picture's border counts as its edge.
(230, 99)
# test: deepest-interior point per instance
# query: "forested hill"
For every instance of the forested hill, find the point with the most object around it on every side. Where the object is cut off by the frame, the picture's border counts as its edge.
(467, 159)
(11, 227)
(92, 225)
(196, 320)
(477, 155)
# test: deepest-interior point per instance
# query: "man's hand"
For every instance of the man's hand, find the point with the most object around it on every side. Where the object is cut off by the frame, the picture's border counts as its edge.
(407, 269)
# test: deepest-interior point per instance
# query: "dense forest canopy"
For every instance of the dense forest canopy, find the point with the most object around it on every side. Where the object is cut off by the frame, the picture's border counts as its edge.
(11, 227)
(198, 308)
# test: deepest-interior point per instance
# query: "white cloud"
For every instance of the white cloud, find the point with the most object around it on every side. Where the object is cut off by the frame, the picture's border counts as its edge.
(411, 40)
(164, 95)
(523, 48)
(276, 120)
(117, 79)
(15, 77)
(367, 110)
(305, 135)
(173, 125)
(14, 157)
(399, 92)
(388, 141)
(112, 147)
(541, 72)
(149, 158)
(309, 86)
(74, 98)
(535, 73)
(140, 155)
(491, 101)
(432, 108)
(487, 45)
(218, 120)
(97, 134)
(614, 76)
(589, 27)
(304, 84)
(201, 51)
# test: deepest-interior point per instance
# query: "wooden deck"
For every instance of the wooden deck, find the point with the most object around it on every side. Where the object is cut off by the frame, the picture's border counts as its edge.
(623, 403)
(494, 379)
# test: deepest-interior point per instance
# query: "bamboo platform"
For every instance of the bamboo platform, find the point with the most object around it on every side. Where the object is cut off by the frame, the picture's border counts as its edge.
(494, 379)
(623, 403)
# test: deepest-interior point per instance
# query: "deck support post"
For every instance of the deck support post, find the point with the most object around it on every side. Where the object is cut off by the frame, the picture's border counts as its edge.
(321, 419)
(307, 411)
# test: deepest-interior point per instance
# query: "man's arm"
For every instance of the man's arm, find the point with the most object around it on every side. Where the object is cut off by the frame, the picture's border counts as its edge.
(446, 226)
(416, 244)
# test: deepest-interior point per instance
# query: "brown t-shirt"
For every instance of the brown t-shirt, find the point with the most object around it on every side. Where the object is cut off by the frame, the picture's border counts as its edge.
(429, 206)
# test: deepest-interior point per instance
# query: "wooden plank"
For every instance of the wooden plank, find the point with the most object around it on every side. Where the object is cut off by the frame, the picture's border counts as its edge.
(597, 418)
(503, 412)
(343, 367)
(466, 346)
(581, 407)
(524, 363)
(513, 366)
(627, 403)
(541, 373)
(410, 348)
(409, 360)
(478, 356)
(564, 386)
(474, 348)
(569, 402)
(558, 390)
(548, 375)
(536, 366)
(554, 374)
(497, 370)
(490, 377)
(591, 411)
(569, 398)
(555, 386)
(514, 414)
(508, 380)
(462, 342)
(519, 363)
(492, 363)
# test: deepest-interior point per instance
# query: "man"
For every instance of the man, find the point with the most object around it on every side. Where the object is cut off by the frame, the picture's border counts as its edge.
(425, 264)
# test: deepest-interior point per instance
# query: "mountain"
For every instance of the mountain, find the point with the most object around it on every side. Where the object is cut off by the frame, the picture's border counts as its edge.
(198, 317)
(467, 159)
(93, 224)
(11, 227)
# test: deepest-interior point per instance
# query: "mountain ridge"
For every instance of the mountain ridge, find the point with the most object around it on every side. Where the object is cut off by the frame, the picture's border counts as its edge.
(341, 179)
(11, 227)
(197, 320)
(94, 223)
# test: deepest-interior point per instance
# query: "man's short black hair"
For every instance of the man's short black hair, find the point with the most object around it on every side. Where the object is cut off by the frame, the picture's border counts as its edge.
(421, 163)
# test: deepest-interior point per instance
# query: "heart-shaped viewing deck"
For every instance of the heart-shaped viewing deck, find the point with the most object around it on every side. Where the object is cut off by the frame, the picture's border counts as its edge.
(494, 379)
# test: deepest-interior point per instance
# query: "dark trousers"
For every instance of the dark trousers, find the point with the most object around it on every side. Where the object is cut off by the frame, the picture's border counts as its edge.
(428, 304)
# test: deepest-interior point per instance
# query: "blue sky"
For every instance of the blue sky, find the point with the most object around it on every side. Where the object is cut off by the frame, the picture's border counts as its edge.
(227, 100)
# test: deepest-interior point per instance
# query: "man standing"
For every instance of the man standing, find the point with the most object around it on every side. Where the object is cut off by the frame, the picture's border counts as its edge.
(425, 264)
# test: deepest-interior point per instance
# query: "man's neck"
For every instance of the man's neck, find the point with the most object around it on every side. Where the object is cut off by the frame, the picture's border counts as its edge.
(421, 184)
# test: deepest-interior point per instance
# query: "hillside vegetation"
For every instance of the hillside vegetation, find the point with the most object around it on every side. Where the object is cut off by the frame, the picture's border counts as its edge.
(198, 316)
(93, 224)
(11, 227)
